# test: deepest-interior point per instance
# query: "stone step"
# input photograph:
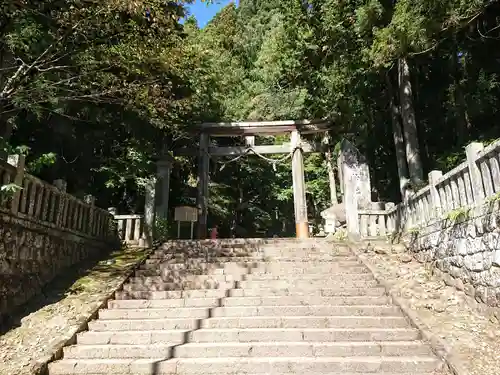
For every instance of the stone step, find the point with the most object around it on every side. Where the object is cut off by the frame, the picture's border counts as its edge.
(302, 253)
(250, 322)
(278, 270)
(187, 285)
(240, 311)
(164, 303)
(264, 292)
(263, 251)
(303, 300)
(354, 310)
(296, 272)
(306, 322)
(166, 259)
(325, 292)
(205, 335)
(317, 267)
(144, 325)
(298, 349)
(172, 312)
(118, 351)
(246, 301)
(327, 278)
(269, 365)
(304, 284)
(272, 265)
(260, 349)
(165, 337)
(302, 334)
(214, 279)
(185, 279)
(170, 294)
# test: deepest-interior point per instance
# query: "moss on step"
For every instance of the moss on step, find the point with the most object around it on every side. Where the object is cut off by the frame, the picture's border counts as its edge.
(42, 327)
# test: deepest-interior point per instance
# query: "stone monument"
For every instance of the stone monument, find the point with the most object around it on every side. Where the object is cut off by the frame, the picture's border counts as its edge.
(354, 176)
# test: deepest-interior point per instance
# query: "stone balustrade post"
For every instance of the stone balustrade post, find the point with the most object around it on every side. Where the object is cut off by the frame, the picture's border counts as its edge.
(149, 211)
(61, 185)
(113, 211)
(390, 223)
(17, 161)
(89, 199)
(437, 209)
(471, 151)
(89, 220)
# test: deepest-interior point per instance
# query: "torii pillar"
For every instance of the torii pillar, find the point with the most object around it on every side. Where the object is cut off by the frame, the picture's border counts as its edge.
(299, 187)
(203, 180)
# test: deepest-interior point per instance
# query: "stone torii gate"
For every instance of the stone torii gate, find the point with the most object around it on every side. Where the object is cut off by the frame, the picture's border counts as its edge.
(296, 147)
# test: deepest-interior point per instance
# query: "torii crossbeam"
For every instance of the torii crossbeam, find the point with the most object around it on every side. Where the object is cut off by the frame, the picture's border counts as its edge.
(249, 130)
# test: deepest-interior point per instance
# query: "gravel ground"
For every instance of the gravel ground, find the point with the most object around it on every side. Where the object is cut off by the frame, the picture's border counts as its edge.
(45, 324)
(471, 333)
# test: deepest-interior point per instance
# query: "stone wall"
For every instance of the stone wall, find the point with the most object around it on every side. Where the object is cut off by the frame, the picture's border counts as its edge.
(43, 230)
(32, 254)
(465, 249)
(453, 222)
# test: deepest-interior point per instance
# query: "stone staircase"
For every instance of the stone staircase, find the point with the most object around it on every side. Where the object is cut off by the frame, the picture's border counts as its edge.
(279, 307)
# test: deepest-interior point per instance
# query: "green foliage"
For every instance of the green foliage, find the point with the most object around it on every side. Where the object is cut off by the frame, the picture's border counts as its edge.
(162, 229)
(458, 214)
(9, 189)
(95, 91)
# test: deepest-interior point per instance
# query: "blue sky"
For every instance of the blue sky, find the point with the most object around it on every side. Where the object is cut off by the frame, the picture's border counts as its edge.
(204, 12)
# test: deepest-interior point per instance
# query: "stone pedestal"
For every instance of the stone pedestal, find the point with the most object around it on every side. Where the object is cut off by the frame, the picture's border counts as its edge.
(157, 191)
(355, 184)
(163, 171)
(334, 217)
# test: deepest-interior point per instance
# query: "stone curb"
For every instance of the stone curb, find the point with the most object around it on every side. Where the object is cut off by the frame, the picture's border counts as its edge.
(41, 368)
(438, 345)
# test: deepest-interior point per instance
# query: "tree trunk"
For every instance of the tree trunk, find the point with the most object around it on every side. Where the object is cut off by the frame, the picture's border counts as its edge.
(331, 171)
(6, 127)
(463, 120)
(409, 123)
(399, 143)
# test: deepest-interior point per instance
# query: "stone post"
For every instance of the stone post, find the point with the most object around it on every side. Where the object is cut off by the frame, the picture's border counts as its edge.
(434, 176)
(90, 200)
(17, 161)
(163, 171)
(203, 180)
(61, 185)
(391, 224)
(299, 188)
(149, 211)
(471, 151)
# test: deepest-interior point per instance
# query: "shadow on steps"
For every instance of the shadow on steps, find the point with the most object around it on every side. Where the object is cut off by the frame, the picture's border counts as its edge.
(71, 281)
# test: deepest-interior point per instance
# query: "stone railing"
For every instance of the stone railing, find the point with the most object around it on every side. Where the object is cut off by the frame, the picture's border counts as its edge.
(131, 229)
(464, 187)
(454, 223)
(375, 223)
(50, 205)
(43, 230)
